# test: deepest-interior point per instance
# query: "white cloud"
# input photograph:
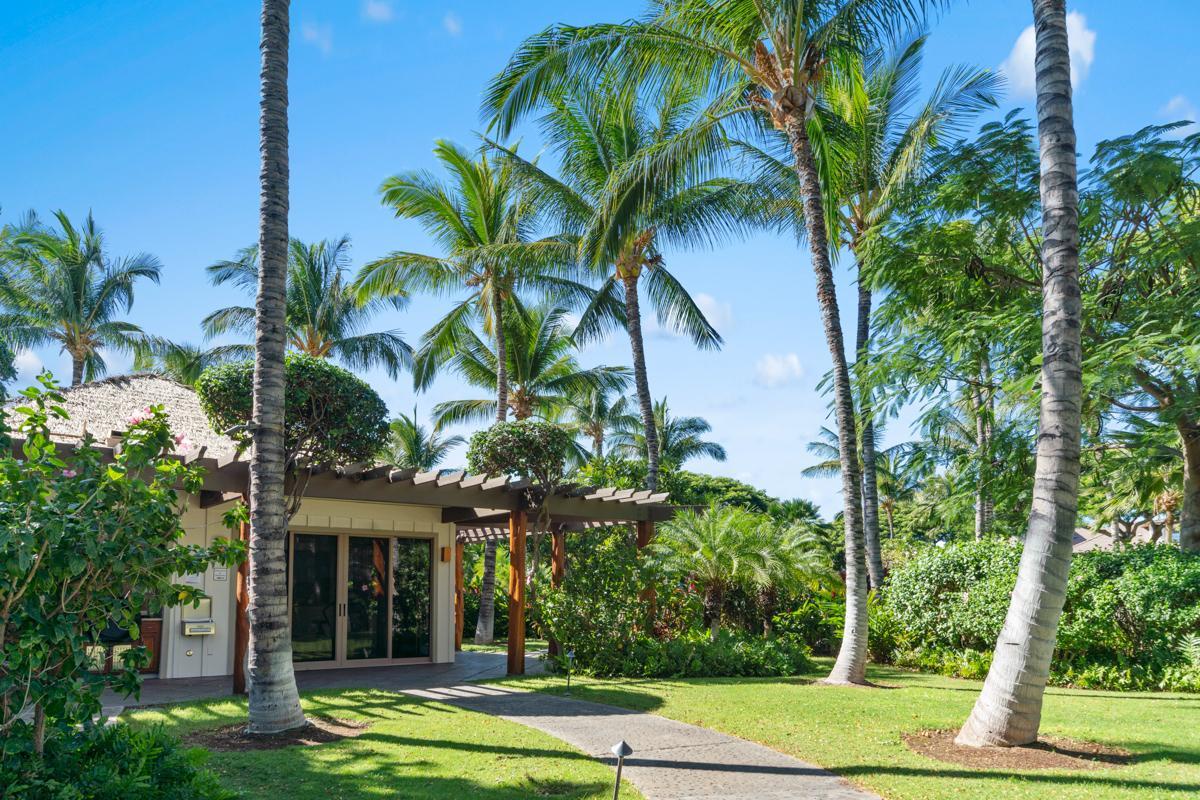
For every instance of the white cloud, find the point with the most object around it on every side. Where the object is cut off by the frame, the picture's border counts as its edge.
(718, 313)
(1179, 108)
(776, 370)
(1019, 66)
(452, 23)
(28, 365)
(378, 10)
(319, 36)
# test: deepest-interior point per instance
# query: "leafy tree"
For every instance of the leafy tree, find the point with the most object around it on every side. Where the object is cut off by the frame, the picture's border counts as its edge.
(678, 438)
(325, 316)
(61, 287)
(412, 445)
(621, 226)
(542, 373)
(698, 489)
(334, 418)
(182, 362)
(84, 542)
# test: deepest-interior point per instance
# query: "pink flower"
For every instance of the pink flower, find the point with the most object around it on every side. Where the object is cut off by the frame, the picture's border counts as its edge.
(182, 443)
(69, 473)
(141, 416)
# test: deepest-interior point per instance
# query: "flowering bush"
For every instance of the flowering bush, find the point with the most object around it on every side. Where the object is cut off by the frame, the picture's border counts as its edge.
(84, 542)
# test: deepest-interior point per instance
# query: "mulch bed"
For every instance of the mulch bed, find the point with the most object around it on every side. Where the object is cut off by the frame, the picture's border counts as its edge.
(1050, 752)
(319, 730)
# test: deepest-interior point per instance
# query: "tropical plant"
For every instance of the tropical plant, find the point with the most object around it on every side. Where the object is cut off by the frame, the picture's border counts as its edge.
(1009, 709)
(483, 225)
(678, 438)
(758, 62)
(783, 558)
(325, 317)
(595, 415)
(411, 445)
(542, 373)
(621, 226)
(180, 361)
(274, 703)
(60, 287)
(712, 549)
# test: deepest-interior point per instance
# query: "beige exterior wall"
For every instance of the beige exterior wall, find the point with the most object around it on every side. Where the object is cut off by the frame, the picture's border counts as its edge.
(204, 656)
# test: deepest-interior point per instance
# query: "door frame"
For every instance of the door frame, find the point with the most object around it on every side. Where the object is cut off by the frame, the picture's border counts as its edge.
(341, 597)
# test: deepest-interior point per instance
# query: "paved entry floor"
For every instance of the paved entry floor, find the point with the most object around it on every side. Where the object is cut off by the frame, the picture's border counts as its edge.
(671, 760)
(467, 666)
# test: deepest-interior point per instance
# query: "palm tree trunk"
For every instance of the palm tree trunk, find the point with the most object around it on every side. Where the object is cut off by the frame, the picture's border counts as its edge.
(274, 701)
(714, 599)
(1009, 709)
(76, 371)
(981, 403)
(485, 624)
(870, 480)
(501, 356)
(633, 314)
(851, 664)
(1189, 514)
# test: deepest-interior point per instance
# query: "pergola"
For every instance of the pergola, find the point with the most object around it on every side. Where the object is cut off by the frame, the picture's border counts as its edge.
(482, 507)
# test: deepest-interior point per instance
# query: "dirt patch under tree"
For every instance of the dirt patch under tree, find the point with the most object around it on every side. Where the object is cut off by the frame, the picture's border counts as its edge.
(319, 730)
(1050, 752)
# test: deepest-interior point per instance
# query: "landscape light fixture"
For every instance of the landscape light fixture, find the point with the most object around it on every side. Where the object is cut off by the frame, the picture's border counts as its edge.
(621, 749)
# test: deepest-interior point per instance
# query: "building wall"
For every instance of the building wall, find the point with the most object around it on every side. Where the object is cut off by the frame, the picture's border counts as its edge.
(204, 656)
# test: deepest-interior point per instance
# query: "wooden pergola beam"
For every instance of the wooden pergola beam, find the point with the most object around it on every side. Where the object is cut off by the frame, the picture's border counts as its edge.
(516, 593)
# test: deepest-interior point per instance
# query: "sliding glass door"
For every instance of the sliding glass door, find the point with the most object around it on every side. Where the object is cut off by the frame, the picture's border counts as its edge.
(359, 599)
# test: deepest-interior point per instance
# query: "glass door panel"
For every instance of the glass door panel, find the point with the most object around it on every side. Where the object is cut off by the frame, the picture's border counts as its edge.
(412, 565)
(366, 598)
(314, 597)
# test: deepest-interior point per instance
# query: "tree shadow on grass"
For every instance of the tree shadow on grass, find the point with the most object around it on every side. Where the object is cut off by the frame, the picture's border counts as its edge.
(1096, 778)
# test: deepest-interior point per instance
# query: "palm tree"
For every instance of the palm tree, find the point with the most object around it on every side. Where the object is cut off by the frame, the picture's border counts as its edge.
(596, 414)
(274, 702)
(180, 361)
(413, 446)
(484, 228)
(324, 316)
(766, 61)
(542, 371)
(678, 438)
(1009, 709)
(782, 558)
(59, 287)
(621, 225)
(712, 549)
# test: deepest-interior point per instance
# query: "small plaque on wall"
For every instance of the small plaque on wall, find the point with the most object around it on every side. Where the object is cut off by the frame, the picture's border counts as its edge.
(220, 573)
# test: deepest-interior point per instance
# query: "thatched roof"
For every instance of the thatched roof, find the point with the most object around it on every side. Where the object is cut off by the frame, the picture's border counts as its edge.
(103, 409)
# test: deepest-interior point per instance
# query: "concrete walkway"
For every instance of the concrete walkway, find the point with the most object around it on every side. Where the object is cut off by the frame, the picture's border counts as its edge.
(671, 760)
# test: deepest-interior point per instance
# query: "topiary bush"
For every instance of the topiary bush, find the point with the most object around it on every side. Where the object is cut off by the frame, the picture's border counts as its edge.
(332, 416)
(112, 763)
(1129, 620)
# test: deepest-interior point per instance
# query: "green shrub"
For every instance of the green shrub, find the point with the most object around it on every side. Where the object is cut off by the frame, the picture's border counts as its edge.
(694, 655)
(113, 763)
(1128, 622)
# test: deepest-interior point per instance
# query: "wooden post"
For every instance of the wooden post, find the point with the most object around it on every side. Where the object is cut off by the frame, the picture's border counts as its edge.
(516, 593)
(459, 611)
(241, 617)
(558, 571)
(645, 534)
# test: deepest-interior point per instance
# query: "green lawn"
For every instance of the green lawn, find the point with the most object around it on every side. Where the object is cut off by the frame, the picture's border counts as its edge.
(856, 732)
(501, 646)
(414, 749)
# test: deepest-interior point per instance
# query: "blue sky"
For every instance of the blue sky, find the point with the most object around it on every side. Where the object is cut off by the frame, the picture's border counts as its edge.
(146, 113)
